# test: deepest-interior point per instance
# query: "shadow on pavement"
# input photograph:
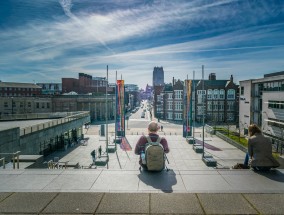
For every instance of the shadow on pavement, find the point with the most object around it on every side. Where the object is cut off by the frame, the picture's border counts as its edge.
(274, 175)
(163, 181)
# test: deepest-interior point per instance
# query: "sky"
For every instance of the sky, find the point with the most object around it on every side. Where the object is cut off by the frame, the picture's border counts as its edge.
(46, 40)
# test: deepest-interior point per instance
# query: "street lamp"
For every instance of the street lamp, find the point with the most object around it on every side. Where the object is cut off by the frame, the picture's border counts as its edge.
(12, 105)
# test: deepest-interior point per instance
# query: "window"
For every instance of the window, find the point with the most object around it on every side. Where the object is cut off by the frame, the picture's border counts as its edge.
(230, 106)
(215, 105)
(21, 104)
(178, 94)
(178, 116)
(230, 117)
(170, 95)
(216, 94)
(6, 104)
(29, 104)
(231, 94)
(221, 117)
(276, 104)
(242, 90)
(170, 105)
(178, 106)
(209, 105)
(222, 94)
(37, 105)
(221, 105)
(199, 110)
(170, 115)
(209, 94)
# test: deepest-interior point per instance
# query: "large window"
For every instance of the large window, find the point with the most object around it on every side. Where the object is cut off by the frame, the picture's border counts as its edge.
(170, 115)
(216, 94)
(230, 106)
(231, 94)
(178, 105)
(178, 94)
(170, 96)
(276, 104)
(222, 94)
(209, 94)
(230, 117)
(170, 105)
(178, 116)
(209, 105)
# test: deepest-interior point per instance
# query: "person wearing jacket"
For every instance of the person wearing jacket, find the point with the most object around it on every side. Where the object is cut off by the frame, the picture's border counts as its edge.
(259, 150)
(153, 128)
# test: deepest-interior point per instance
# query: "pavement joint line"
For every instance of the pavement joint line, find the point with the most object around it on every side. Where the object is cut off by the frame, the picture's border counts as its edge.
(150, 197)
(250, 203)
(7, 197)
(48, 203)
(104, 193)
(204, 212)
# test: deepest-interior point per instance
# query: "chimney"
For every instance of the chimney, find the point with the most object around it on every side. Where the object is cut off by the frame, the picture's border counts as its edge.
(231, 78)
(212, 76)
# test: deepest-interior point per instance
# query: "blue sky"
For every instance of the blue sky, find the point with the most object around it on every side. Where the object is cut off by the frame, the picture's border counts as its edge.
(43, 41)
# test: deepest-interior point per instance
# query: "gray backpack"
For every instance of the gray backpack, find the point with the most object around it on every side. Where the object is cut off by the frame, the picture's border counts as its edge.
(154, 155)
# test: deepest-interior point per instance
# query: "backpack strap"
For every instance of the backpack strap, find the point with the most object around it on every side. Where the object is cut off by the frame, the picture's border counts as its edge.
(150, 141)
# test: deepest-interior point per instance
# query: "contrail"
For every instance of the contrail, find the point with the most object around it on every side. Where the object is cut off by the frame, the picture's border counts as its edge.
(67, 5)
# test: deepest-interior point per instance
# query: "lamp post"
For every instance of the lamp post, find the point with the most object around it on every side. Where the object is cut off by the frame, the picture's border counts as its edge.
(12, 105)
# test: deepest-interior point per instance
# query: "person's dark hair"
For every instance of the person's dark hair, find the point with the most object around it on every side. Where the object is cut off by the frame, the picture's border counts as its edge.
(253, 129)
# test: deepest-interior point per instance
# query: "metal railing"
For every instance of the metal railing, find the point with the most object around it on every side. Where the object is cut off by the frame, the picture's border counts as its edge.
(15, 156)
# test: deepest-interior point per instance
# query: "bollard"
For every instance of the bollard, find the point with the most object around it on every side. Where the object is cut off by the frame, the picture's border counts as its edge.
(14, 161)
(18, 164)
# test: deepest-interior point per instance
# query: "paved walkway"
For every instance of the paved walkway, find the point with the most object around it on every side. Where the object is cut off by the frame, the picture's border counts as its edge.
(190, 187)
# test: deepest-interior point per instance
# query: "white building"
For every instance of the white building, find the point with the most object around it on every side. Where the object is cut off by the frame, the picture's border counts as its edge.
(262, 103)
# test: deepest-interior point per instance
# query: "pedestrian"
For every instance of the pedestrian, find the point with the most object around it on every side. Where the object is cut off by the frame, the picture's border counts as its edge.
(153, 128)
(100, 151)
(162, 128)
(259, 155)
(93, 154)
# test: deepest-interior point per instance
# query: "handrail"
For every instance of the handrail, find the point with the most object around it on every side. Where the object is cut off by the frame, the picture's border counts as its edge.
(3, 159)
(14, 155)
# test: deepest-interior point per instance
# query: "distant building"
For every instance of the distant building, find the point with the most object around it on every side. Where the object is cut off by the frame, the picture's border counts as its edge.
(25, 105)
(262, 103)
(51, 88)
(168, 101)
(218, 100)
(85, 84)
(158, 76)
(147, 93)
(14, 89)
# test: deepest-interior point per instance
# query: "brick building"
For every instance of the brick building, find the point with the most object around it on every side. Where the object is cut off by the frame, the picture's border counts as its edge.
(85, 84)
(13, 89)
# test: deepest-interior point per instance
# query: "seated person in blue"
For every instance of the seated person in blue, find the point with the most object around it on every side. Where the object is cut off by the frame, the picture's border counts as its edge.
(259, 151)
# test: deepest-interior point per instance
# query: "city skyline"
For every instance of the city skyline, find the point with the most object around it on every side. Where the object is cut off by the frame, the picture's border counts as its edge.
(43, 41)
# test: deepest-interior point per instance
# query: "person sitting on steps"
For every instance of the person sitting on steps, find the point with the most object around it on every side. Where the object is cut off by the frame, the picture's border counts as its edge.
(259, 151)
(153, 128)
